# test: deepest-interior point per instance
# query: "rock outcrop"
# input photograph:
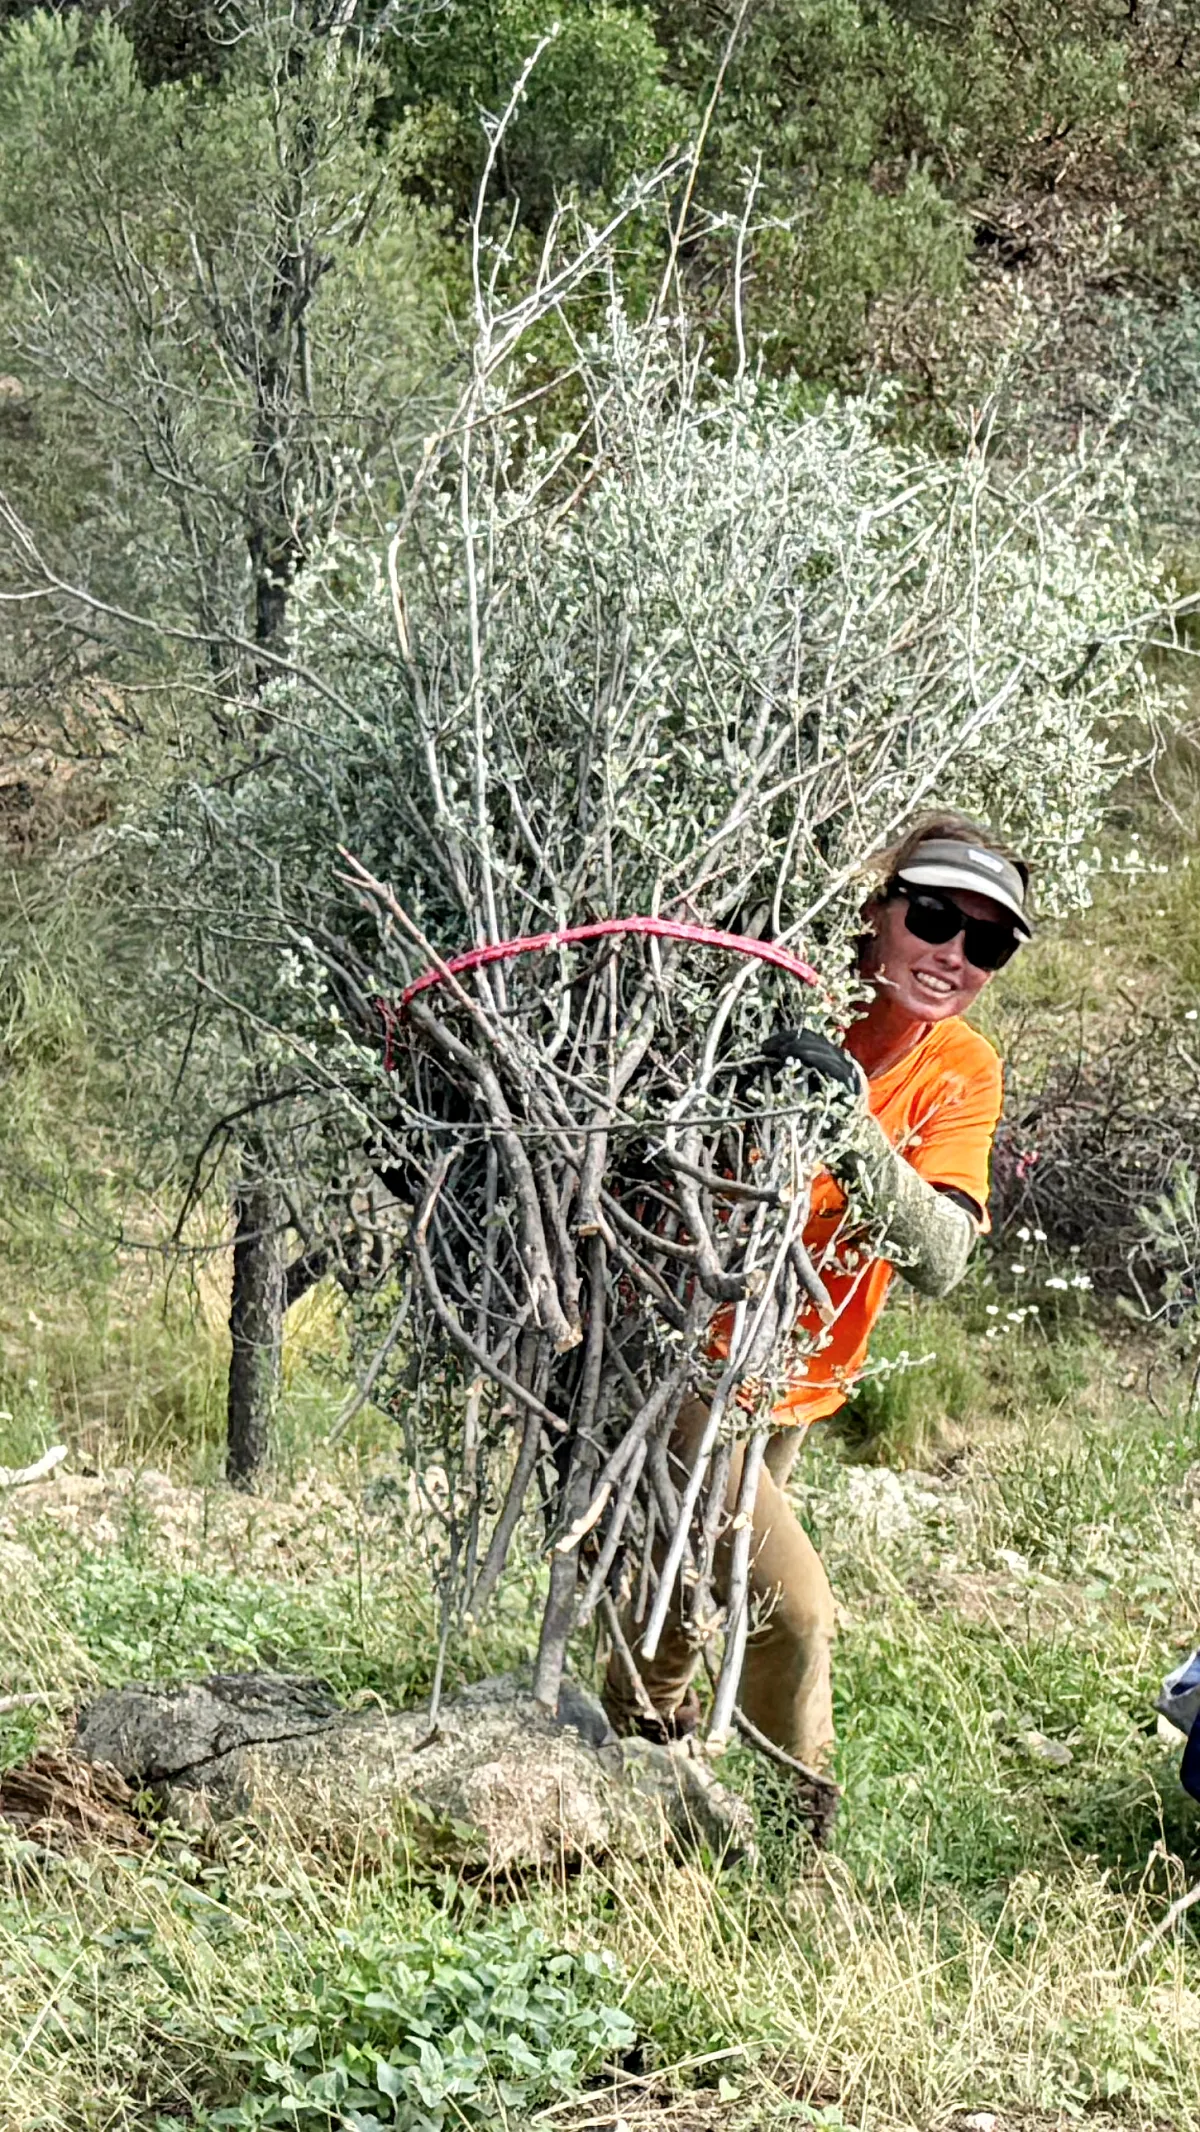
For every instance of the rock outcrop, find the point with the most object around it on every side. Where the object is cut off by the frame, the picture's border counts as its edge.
(497, 1785)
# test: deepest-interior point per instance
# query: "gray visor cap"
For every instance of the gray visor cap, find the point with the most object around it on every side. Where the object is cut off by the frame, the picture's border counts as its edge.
(942, 862)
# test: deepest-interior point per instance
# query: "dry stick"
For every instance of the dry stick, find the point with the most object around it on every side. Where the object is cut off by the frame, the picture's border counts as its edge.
(581, 1526)
(637, 1233)
(720, 1187)
(645, 1419)
(506, 1523)
(767, 1746)
(642, 1596)
(645, 1278)
(801, 1264)
(723, 1287)
(679, 1537)
(533, 1248)
(629, 1459)
(555, 1223)
(633, 1043)
(1167, 1923)
(463, 1341)
(612, 1622)
(443, 1645)
(595, 1157)
(712, 1429)
(598, 1581)
(473, 1466)
(738, 1606)
(811, 1282)
(699, 1610)
(558, 1618)
(28, 1700)
(664, 1489)
(534, 1251)
(742, 1343)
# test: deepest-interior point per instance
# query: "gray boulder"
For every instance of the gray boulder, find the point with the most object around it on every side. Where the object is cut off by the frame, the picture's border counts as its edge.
(498, 1784)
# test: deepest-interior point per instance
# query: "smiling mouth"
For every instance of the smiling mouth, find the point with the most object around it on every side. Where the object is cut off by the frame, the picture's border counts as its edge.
(937, 987)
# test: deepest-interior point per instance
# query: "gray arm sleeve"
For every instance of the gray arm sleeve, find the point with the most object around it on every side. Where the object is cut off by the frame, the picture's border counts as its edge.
(930, 1233)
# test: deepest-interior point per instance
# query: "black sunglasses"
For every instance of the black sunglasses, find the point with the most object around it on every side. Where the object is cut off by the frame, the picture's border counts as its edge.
(987, 943)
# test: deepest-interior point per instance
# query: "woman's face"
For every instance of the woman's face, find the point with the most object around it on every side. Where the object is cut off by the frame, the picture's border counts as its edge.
(923, 980)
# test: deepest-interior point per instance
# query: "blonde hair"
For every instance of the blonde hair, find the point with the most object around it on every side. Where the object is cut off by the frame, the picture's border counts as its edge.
(891, 859)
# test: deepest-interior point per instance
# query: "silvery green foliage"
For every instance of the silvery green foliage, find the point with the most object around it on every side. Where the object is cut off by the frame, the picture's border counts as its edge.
(709, 658)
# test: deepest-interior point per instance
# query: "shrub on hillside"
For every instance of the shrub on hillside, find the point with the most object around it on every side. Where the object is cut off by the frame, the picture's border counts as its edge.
(1099, 1140)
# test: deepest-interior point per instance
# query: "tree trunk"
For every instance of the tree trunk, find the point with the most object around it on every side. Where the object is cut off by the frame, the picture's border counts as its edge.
(255, 1325)
(277, 531)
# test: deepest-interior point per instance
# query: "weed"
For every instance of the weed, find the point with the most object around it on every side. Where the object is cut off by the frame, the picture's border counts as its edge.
(455, 2028)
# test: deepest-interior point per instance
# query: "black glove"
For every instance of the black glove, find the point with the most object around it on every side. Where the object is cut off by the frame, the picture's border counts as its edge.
(824, 1061)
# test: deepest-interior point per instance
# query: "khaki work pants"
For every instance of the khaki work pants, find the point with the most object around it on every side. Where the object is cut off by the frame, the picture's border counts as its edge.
(785, 1687)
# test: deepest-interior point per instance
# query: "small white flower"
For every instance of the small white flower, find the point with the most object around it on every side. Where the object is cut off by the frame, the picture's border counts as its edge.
(1022, 1236)
(1081, 1280)
(1056, 1281)
(1016, 1269)
(1190, 1016)
(1039, 1236)
(993, 1309)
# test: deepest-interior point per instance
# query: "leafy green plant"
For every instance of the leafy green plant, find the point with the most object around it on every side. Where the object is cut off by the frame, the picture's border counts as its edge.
(450, 2029)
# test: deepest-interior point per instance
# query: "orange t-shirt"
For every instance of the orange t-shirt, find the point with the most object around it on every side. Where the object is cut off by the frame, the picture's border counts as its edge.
(939, 1107)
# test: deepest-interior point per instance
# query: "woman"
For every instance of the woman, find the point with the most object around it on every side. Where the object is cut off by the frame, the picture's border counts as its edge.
(927, 1091)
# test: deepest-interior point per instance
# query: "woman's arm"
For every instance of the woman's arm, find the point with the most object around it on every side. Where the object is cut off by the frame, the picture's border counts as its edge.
(928, 1230)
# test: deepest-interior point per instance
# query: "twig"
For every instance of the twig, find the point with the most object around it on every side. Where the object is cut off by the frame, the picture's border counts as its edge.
(617, 1637)
(362, 1393)
(738, 1601)
(679, 1538)
(506, 1523)
(1167, 1923)
(458, 1332)
(766, 1746)
(612, 1538)
(23, 1476)
(698, 151)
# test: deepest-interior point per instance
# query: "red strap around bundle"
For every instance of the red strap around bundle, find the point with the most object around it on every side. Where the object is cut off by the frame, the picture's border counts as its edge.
(704, 936)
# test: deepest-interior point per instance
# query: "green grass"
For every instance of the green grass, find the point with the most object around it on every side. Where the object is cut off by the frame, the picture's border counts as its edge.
(969, 1943)
(1013, 1535)
(928, 1381)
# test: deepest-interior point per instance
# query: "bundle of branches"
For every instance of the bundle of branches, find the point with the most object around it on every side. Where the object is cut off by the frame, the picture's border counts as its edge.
(610, 1187)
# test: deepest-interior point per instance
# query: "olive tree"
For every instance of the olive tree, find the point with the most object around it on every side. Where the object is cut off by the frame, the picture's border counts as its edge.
(218, 305)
